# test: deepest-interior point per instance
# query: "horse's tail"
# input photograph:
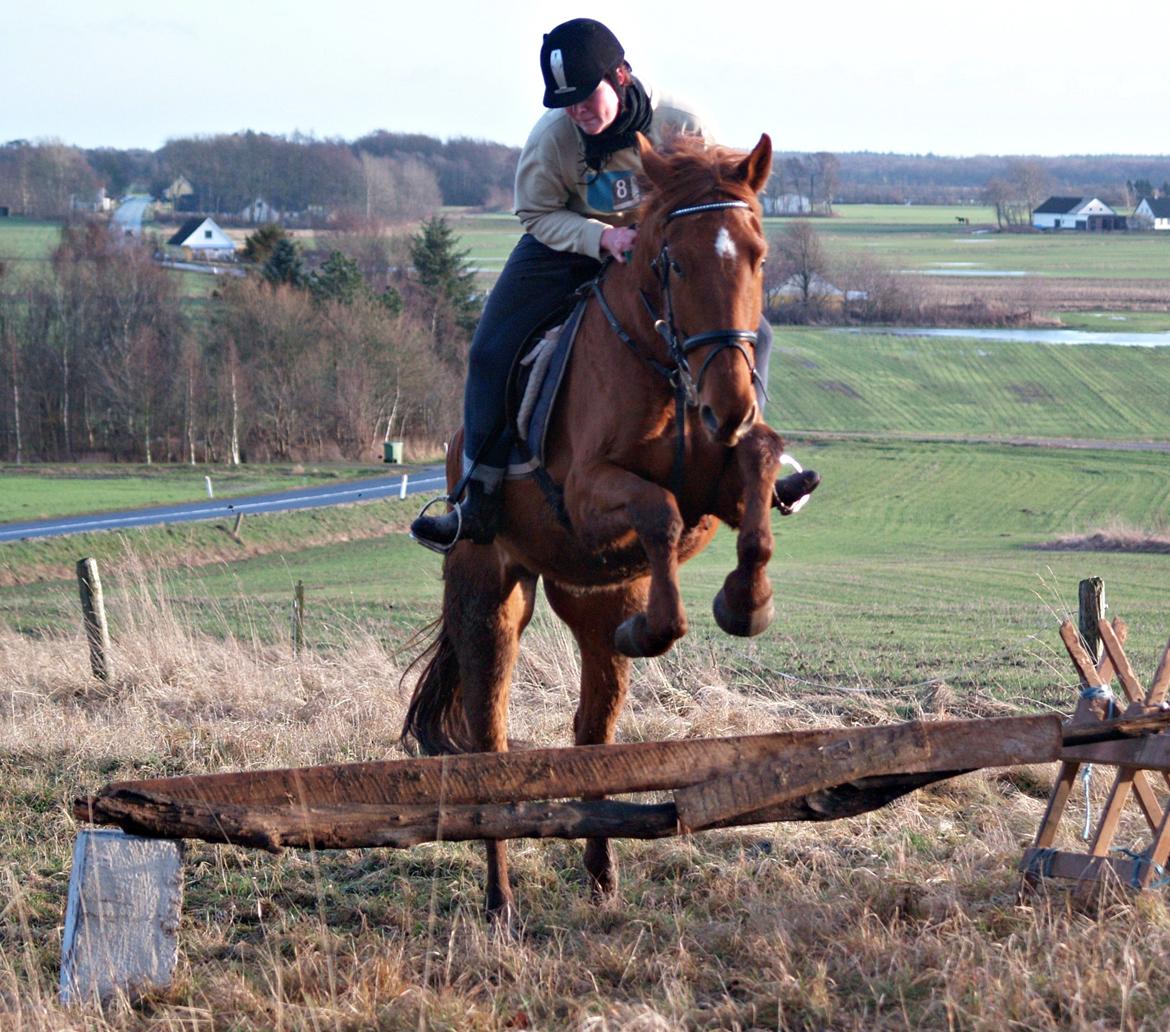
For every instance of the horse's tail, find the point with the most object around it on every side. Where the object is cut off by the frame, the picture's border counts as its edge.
(434, 720)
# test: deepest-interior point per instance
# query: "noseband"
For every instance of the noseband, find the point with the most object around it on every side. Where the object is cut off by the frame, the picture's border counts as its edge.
(678, 373)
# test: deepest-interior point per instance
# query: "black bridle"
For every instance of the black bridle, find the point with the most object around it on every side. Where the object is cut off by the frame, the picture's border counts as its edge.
(678, 373)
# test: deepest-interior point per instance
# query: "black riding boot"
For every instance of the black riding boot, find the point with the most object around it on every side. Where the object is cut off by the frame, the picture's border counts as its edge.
(789, 490)
(476, 518)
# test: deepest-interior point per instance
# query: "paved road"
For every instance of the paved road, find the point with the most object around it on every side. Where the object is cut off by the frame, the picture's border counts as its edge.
(128, 215)
(429, 480)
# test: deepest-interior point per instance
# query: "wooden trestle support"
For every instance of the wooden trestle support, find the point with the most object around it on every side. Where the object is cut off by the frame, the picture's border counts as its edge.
(1133, 743)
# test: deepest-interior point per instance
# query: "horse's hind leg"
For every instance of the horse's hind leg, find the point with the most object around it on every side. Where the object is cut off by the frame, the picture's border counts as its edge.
(605, 676)
(488, 605)
(744, 604)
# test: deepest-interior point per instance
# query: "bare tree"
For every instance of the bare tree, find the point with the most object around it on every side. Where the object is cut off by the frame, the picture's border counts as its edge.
(827, 168)
(998, 194)
(1031, 183)
(796, 271)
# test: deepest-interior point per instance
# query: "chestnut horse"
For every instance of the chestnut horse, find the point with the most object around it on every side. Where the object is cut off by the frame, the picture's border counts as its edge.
(670, 333)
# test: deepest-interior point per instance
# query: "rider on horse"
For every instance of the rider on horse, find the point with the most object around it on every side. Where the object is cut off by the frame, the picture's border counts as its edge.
(577, 195)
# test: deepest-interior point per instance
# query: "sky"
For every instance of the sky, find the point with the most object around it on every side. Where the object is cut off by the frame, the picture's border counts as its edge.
(903, 76)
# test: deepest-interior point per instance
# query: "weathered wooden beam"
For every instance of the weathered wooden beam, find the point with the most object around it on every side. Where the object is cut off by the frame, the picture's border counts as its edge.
(1125, 674)
(355, 825)
(1118, 729)
(541, 774)
(472, 778)
(903, 748)
(1052, 863)
(1085, 664)
(1161, 678)
(801, 770)
(1150, 752)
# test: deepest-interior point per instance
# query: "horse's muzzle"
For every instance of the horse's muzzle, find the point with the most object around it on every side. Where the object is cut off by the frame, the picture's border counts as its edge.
(728, 431)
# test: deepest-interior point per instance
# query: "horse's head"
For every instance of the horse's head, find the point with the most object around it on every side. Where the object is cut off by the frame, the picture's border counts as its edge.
(701, 244)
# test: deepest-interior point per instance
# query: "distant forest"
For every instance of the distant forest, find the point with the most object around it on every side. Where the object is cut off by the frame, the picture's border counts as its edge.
(868, 178)
(402, 176)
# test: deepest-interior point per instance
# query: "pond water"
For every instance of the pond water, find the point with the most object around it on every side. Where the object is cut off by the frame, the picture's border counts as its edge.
(1029, 336)
(977, 272)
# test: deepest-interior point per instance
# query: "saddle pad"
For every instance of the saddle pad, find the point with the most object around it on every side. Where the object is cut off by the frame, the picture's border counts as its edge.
(545, 364)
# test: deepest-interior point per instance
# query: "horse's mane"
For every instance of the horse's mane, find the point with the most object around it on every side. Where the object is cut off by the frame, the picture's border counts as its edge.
(698, 172)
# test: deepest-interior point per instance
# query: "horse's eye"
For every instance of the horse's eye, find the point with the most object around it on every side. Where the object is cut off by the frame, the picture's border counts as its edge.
(675, 267)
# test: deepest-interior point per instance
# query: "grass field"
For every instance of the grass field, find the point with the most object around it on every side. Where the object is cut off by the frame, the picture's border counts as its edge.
(838, 380)
(922, 239)
(32, 492)
(24, 242)
(918, 238)
(921, 581)
(916, 562)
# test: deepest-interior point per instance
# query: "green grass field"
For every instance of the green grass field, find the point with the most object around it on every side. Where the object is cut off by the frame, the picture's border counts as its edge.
(845, 381)
(931, 516)
(914, 562)
(33, 492)
(24, 243)
(919, 238)
(919, 582)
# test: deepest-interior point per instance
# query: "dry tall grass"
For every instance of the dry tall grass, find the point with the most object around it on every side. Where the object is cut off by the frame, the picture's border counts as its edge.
(905, 918)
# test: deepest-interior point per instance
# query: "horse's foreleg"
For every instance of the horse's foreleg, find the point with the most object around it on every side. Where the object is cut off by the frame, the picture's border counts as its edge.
(605, 502)
(593, 618)
(744, 604)
(489, 607)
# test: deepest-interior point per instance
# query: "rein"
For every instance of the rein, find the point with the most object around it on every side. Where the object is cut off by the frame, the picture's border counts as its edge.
(686, 386)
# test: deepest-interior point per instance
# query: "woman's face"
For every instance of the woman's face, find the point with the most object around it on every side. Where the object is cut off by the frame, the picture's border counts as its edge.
(596, 113)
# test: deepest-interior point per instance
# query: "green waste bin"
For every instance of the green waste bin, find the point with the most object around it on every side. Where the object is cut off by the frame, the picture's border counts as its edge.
(392, 451)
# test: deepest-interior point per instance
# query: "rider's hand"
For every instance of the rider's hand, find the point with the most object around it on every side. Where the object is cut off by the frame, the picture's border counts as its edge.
(617, 240)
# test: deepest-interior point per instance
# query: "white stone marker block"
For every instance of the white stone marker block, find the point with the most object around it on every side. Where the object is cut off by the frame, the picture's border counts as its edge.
(122, 917)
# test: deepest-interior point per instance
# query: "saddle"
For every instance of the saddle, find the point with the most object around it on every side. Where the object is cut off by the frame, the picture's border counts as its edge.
(534, 383)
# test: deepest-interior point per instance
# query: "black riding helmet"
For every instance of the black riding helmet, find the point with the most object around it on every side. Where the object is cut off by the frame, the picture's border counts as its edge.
(574, 58)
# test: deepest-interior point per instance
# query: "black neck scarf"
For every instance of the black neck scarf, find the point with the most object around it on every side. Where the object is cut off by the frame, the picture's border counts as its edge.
(634, 116)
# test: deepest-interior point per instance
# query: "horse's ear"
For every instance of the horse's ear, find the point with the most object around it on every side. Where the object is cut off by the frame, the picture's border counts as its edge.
(656, 169)
(757, 166)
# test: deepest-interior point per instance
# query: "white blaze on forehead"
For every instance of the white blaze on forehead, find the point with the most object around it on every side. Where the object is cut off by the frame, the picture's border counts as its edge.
(724, 245)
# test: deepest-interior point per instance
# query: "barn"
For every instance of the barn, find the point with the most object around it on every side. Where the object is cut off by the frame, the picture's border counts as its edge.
(1154, 212)
(1083, 213)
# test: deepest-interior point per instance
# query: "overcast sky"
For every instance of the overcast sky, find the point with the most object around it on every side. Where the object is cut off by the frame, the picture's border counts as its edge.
(909, 76)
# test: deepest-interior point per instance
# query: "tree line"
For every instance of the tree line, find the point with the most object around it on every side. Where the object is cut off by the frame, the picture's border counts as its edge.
(307, 356)
(387, 176)
(866, 177)
(394, 176)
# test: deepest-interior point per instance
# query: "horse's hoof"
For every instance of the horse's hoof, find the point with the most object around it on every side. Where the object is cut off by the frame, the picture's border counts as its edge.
(742, 625)
(629, 638)
(501, 914)
(633, 639)
(601, 871)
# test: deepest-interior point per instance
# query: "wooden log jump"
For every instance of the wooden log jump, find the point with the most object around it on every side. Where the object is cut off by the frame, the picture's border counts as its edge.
(794, 775)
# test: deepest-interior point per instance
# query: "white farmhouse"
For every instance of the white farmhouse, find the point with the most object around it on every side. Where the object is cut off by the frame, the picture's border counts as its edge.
(1084, 213)
(1154, 211)
(204, 239)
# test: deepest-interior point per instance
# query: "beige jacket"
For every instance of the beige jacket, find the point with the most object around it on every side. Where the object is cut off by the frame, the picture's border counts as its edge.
(566, 205)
